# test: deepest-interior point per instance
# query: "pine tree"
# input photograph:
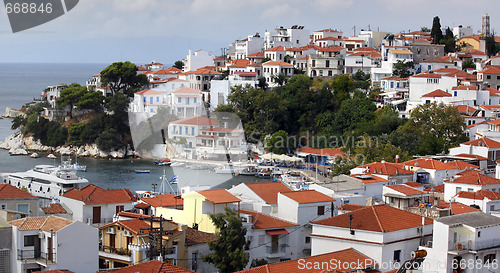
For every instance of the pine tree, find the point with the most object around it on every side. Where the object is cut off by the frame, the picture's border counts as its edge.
(436, 32)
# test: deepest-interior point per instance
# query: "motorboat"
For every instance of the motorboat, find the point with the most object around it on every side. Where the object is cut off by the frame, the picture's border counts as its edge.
(51, 156)
(142, 171)
(165, 162)
(229, 168)
(34, 155)
(45, 180)
(178, 164)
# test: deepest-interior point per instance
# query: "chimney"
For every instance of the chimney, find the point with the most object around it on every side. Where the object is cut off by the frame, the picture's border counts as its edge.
(397, 159)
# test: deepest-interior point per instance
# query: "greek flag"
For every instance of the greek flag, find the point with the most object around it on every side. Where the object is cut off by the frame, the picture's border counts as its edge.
(173, 180)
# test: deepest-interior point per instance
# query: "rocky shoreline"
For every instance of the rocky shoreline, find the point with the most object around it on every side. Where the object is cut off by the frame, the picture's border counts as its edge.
(19, 145)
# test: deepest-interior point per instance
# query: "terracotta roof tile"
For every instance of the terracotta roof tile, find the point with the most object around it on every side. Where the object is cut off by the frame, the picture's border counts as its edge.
(385, 168)
(479, 195)
(54, 208)
(458, 208)
(379, 218)
(367, 179)
(276, 63)
(413, 184)
(132, 225)
(42, 223)
(350, 257)
(194, 237)
(153, 266)
(268, 191)
(351, 207)
(483, 142)
(264, 221)
(10, 192)
(477, 157)
(474, 179)
(308, 196)
(197, 120)
(92, 194)
(458, 164)
(439, 188)
(276, 48)
(427, 163)
(406, 190)
(219, 196)
(163, 200)
(437, 93)
(185, 90)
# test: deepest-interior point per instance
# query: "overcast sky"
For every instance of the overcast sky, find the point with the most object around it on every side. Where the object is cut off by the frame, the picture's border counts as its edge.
(103, 31)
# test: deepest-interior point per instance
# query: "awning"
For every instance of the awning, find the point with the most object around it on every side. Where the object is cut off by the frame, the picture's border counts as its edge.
(277, 231)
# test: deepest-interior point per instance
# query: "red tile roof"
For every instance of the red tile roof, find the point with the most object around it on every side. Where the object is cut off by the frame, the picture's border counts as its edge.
(366, 178)
(427, 163)
(490, 70)
(406, 190)
(276, 48)
(185, 90)
(133, 225)
(308, 196)
(349, 259)
(276, 63)
(379, 218)
(351, 207)
(437, 93)
(194, 237)
(477, 157)
(197, 120)
(468, 172)
(148, 91)
(465, 87)
(264, 221)
(54, 208)
(219, 196)
(490, 107)
(427, 75)
(393, 78)
(324, 152)
(439, 188)
(132, 215)
(413, 184)
(163, 200)
(153, 266)
(385, 168)
(479, 195)
(258, 55)
(458, 164)
(10, 192)
(42, 223)
(92, 194)
(474, 179)
(268, 191)
(466, 109)
(458, 208)
(483, 142)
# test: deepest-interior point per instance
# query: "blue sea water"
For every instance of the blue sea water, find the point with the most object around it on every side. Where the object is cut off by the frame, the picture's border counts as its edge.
(20, 83)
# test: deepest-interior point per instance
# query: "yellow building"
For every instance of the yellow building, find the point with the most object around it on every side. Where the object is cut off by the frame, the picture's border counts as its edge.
(473, 42)
(197, 207)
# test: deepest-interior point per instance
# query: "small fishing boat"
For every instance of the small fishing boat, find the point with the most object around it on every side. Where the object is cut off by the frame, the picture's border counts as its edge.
(165, 162)
(51, 156)
(177, 164)
(142, 171)
(34, 155)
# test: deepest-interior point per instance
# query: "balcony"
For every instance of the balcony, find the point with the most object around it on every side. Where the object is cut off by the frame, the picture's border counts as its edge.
(36, 256)
(276, 251)
(474, 246)
(115, 253)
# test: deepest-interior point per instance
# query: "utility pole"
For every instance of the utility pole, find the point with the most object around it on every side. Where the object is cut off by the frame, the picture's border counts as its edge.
(155, 234)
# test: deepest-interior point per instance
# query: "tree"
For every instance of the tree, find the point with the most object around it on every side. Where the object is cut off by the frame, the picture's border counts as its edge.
(425, 29)
(228, 250)
(436, 32)
(403, 69)
(449, 42)
(491, 46)
(279, 79)
(178, 65)
(469, 63)
(262, 84)
(122, 76)
(436, 125)
(278, 143)
(92, 100)
(342, 86)
(70, 96)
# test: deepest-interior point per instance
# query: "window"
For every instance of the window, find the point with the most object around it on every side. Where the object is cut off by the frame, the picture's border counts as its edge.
(30, 240)
(429, 67)
(490, 258)
(455, 93)
(308, 240)
(186, 130)
(187, 100)
(427, 102)
(479, 234)
(157, 99)
(194, 100)
(150, 100)
(321, 210)
(23, 208)
(120, 208)
(313, 63)
(192, 131)
(459, 189)
(327, 63)
(488, 77)
(3, 206)
(179, 100)
(470, 189)
(492, 207)
(397, 255)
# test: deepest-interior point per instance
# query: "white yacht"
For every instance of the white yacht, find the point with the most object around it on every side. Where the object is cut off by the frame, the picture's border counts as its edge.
(45, 180)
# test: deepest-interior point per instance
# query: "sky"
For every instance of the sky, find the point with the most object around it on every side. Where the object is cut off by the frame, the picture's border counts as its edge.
(105, 31)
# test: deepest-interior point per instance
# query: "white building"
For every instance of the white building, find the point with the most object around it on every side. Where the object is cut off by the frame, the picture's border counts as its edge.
(433, 172)
(460, 31)
(473, 182)
(287, 37)
(198, 59)
(487, 201)
(186, 102)
(390, 57)
(327, 63)
(221, 89)
(273, 69)
(484, 147)
(383, 233)
(261, 197)
(463, 240)
(96, 206)
(424, 83)
(243, 48)
(51, 243)
(362, 61)
(52, 93)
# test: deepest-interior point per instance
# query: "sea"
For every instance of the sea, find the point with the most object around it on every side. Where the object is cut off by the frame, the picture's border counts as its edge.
(21, 83)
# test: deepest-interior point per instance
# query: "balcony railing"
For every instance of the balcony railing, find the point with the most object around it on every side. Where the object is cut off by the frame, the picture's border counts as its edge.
(276, 251)
(475, 245)
(32, 255)
(102, 221)
(113, 250)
